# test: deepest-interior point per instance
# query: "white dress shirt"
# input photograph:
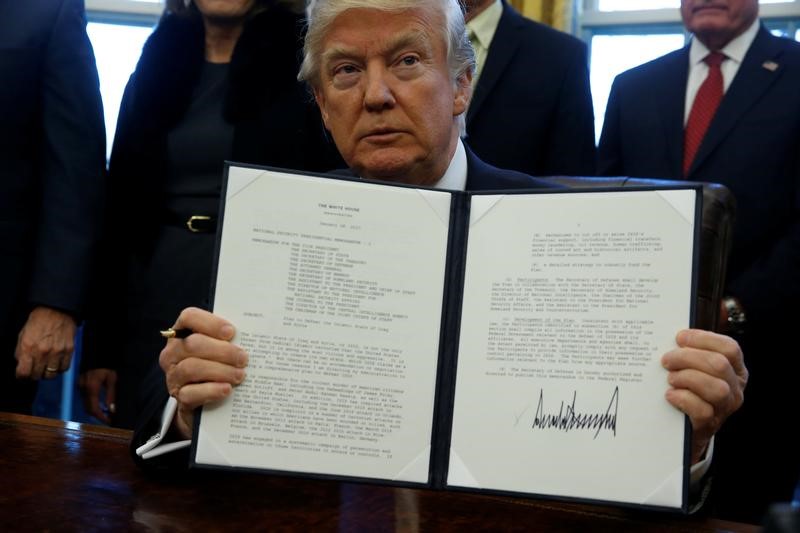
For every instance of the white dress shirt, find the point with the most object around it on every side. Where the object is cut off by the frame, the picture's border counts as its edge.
(481, 30)
(734, 51)
(455, 177)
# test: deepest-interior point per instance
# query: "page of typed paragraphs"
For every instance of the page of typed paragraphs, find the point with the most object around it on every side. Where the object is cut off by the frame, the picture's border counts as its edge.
(569, 302)
(335, 288)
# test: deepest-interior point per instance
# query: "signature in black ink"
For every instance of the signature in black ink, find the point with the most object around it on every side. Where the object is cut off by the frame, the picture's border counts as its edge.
(568, 419)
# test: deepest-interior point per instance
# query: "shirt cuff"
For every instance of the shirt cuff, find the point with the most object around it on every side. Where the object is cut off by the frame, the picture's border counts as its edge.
(699, 482)
(700, 469)
(153, 446)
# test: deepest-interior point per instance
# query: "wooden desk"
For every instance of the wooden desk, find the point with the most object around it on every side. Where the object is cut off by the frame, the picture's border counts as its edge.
(57, 476)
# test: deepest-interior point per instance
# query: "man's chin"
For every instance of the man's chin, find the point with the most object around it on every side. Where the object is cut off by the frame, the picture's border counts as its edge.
(386, 169)
(397, 175)
(407, 164)
(710, 21)
(714, 36)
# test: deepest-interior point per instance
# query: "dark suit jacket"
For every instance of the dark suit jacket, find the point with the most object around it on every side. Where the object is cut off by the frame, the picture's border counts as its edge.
(480, 177)
(52, 149)
(753, 147)
(532, 107)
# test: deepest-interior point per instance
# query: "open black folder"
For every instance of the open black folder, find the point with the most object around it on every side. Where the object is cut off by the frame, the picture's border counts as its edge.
(505, 342)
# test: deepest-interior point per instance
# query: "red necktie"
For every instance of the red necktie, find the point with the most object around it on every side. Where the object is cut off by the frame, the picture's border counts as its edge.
(705, 105)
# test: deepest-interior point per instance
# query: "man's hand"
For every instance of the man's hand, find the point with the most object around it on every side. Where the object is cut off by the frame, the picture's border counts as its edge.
(92, 383)
(44, 345)
(707, 378)
(202, 368)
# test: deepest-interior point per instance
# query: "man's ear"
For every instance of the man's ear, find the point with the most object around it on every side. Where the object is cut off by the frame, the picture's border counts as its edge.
(463, 93)
(319, 97)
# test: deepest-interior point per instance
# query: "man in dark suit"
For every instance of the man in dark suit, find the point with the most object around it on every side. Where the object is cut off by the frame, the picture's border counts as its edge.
(392, 86)
(752, 145)
(52, 148)
(532, 107)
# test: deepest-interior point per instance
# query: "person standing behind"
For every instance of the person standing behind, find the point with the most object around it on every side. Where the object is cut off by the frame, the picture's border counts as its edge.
(52, 148)
(532, 107)
(216, 81)
(726, 108)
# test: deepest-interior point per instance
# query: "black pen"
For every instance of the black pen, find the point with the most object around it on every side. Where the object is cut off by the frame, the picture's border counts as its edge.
(172, 333)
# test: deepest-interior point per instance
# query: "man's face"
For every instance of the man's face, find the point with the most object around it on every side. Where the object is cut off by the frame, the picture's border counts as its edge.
(717, 22)
(386, 95)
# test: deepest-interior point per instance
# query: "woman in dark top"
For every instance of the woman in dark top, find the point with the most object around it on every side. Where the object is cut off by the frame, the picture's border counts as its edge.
(216, 81)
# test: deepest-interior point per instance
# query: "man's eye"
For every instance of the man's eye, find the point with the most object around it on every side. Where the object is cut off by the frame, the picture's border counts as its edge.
(344, 69)
(409, 60)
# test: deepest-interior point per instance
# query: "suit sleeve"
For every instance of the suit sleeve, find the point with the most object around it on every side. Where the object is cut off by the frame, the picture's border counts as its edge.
(609, 158)
(572, 146)
(72, 166)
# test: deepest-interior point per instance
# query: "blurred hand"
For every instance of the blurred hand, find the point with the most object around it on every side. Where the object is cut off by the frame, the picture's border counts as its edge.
(707, 378)
(202, 368)
(45, 342)
(92, 384)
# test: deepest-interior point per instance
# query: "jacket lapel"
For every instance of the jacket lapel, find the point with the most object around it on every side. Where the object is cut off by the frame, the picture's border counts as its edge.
(478, 179)
(671, 97)
(484, 177)
(749, 85)
(504, 44)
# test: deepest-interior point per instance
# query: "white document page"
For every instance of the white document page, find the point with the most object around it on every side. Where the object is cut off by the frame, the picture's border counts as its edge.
(569, 302)
(335, 288)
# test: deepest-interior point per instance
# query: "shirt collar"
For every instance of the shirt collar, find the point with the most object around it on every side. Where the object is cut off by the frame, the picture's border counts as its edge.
(734, 50)
(484, 25)
(455, 178)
